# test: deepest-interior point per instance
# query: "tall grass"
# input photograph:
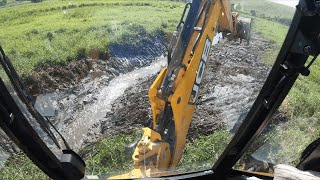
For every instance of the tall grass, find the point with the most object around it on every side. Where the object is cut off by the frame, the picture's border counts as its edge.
(20, 167)
(202, 152)
(55, 32)
(300, 106)
(112, 156)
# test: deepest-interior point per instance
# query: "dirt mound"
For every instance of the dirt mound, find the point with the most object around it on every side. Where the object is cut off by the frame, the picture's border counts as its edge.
(234, 76)
(118, 59)
(233, 79)
(72, 92)
(58, 77)
(129, 111)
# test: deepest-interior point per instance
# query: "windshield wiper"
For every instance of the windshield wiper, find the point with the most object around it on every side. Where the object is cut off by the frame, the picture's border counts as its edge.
(26, 97)
(16, 125)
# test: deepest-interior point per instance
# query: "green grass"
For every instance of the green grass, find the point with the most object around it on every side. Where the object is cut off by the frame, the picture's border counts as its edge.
(266, 9)
(272, 31)
(302, 108)
(20, 167)
(275, 33)
(202, 152)
(292, 137)
(108, 157)
(301, 105)
(112, 156)
(56, 32)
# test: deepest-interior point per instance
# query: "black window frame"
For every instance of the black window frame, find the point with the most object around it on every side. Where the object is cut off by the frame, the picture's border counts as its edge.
(290, 63)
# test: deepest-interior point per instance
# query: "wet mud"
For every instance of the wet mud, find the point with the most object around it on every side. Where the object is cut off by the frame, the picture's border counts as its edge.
(77, 95)
(95, 98)
(234, 76)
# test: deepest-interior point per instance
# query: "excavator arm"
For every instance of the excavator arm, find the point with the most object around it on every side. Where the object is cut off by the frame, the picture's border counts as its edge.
(173, 95)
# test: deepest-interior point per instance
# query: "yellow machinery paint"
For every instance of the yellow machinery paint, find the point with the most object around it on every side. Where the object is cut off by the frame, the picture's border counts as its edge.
(152, 156)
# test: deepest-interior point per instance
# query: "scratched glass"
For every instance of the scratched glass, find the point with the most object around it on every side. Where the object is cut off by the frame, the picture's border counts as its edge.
(90, 65)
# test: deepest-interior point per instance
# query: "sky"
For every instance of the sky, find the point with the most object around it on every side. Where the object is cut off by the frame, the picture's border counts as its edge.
(291, 3)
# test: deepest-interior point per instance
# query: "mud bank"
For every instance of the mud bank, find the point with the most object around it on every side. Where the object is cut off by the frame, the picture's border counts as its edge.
(118, 59)
(234, 76)
(97, 98)
(78, 107)
(83, 109)
(77, 95)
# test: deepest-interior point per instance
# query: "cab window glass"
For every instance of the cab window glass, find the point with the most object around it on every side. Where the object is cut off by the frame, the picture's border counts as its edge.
(90, 64)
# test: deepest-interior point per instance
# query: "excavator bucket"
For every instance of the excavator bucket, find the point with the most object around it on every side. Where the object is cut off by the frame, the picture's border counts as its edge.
(241, 30)
(244, 29)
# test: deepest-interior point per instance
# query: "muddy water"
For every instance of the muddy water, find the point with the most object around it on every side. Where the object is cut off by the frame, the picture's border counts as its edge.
(233, 80)
(234, 75)
(80, 110)
(78, 96)
(115, 102)
(232, 100)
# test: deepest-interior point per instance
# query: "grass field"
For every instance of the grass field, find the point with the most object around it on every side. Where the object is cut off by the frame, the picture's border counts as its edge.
(300, 106)
(264, 9)
(19, 167)
(55, 32)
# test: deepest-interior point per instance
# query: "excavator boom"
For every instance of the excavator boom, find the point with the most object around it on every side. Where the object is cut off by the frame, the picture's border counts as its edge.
(173, 95)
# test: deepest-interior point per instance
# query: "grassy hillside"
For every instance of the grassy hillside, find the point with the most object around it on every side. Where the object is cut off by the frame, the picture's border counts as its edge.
(300, 106)
(55, 32)
(265, 9)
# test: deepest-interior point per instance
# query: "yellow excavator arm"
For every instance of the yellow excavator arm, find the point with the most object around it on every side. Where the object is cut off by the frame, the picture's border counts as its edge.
(173, 95)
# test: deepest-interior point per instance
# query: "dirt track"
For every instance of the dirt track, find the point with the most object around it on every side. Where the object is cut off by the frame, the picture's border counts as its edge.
(233, 79)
